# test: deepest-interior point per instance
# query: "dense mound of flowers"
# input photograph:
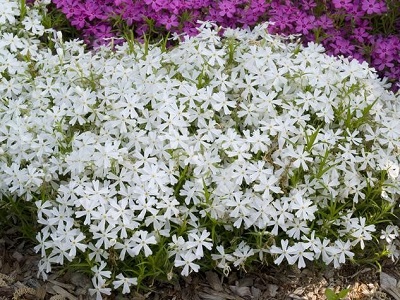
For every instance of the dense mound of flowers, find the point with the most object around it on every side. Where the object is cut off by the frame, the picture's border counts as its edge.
(368, 30)
(220, 152)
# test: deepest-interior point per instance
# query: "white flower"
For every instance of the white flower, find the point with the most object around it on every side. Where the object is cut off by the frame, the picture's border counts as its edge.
(99, 288)
(170, 206)
(32, 22)
(343, 250)
(187, 262)
(141, 240)
(220, 101)
(43, 244)
(332, 255)
(268, 184)
(125, 282)
(76, 242)
(393, 251)
(390, 233)
(197, 242)
(223, 259)
(242, 253)
(9, 10)
(297, 227)
(104, 236)
(300, 252)
(362, 232)
(393, 170)
(299, 156)
(305, 208)
(97, 253)
(99, 271)
(213, 56)
(284, 252)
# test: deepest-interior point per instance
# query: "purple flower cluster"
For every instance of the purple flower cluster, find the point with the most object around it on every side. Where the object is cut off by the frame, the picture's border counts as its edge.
(353, 28)
(345, 27)
(95, 17)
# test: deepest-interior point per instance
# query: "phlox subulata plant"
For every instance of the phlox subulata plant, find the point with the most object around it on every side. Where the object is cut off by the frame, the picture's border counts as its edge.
(226, 151)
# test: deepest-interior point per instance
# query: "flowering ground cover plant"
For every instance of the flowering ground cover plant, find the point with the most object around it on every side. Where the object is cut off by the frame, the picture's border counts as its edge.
(368, 30)
(223, 152)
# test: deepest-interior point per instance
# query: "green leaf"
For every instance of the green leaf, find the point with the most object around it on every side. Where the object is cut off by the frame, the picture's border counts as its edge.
(343, 293)
(330, 295)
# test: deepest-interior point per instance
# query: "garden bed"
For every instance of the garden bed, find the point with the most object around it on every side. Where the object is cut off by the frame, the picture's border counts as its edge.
(18, 270)
(143, 165)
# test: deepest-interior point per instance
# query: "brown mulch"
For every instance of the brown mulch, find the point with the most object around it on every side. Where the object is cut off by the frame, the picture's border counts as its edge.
(18, 281)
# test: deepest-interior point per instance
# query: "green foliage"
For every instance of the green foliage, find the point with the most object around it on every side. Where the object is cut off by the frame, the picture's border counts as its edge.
(18, 215)
(52, 18)
(331, 295)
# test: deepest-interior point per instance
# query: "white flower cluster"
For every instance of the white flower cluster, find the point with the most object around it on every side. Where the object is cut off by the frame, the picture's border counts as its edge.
(247, 134)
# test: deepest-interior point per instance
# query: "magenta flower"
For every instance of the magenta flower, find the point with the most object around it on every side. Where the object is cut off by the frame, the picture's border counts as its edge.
(308, 4)
(341, 46)
(190, 29)
(259, 6)
(381, 63)
(98, 35)
(305, 24)
(169, 21)
(79, 21)
(345, 4)
(120, 2)
(325, 22)
(361, 34)
(133, 14)
(92, 11)
(226, 8)
(72, 10)
(250, 17)
(373, 7)
(157, 5)
(385, 48)
(283, 16)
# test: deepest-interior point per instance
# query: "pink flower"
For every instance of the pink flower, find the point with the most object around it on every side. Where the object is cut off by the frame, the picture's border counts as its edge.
(346, 4)
(325, 22)
(308, 4)
(361, 34)
(169, 21)
(342, 46)
(78, 21)
(305, 24)
(373, 7)
(259, 6)
(226, 8)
